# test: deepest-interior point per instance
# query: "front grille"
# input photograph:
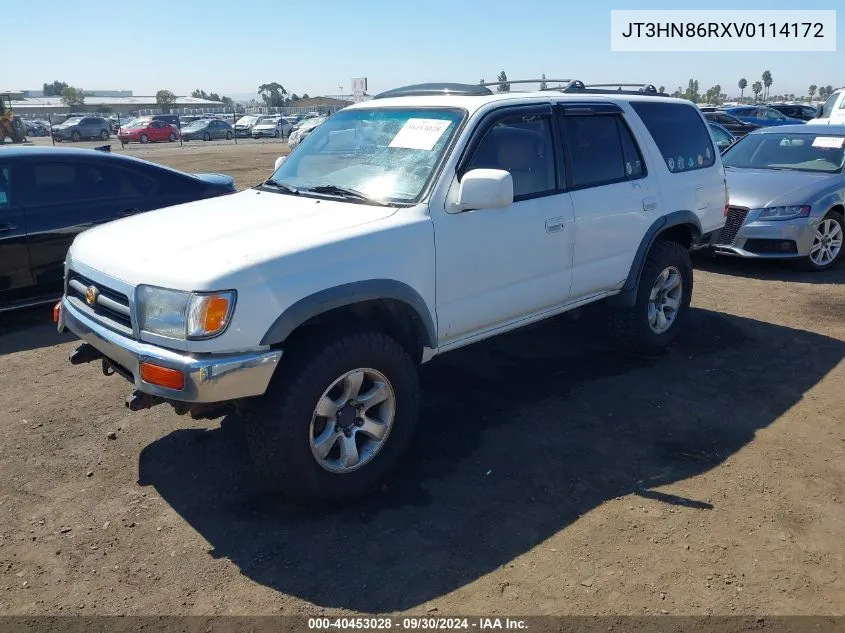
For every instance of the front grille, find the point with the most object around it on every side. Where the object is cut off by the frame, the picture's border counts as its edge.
(111, 307)
(736, 216)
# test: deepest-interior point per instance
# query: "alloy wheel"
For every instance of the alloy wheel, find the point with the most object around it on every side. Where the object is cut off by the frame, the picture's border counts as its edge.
(827, 242)
(664, 300)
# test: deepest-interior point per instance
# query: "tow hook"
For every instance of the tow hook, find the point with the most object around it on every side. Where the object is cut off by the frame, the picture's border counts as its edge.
(138, 400)
(85, 353)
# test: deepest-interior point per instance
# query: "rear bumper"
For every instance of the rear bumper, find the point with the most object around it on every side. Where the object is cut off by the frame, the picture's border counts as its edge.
(208, 377)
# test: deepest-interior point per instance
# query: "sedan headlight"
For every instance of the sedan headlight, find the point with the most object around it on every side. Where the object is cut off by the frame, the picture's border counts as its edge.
(183, 315)
(784, 213)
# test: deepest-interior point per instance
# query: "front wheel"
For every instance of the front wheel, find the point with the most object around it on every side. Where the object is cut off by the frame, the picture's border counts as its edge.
(76, 136)
(144, 139)
(662, 301)
(826, 248)
(228, 136)
(336, 418)
(206, 137)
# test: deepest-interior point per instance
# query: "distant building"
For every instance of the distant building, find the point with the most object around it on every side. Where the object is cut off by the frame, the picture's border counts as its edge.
(105, 101)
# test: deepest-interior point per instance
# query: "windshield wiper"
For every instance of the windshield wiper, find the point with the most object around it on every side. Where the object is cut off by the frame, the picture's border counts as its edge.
(280, 185)
(343, 192)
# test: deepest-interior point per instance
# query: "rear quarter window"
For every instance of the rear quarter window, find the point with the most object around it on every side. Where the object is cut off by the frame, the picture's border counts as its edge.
(680, 134)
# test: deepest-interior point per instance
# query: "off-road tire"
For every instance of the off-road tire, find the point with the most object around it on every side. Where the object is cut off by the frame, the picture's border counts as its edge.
(628, 326)
(278, 424)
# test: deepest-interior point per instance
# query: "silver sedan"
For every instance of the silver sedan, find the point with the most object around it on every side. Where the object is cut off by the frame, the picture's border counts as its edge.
(787, 195)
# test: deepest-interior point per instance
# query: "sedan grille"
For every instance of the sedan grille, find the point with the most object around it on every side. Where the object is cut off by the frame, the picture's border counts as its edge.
(110, 307)
(736, 216)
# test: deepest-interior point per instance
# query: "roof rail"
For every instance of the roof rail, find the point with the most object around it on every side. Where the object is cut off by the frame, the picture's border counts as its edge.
(435, 89)
(528, 81)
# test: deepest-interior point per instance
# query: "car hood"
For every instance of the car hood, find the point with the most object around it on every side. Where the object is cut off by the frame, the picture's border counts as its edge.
(195, 245)
(758, 188)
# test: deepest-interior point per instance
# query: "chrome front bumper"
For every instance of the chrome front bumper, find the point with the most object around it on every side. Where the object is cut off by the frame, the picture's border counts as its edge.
(208, 377)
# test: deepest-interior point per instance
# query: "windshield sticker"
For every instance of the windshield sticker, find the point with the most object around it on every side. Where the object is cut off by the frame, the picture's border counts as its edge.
(830, 142)
(420, 134)
(700, 160)
(707, 153)
(691, 162)
(671, 163)
(680, 163)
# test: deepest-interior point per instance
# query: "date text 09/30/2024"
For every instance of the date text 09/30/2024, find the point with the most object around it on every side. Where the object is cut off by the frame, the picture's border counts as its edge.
(416, 623)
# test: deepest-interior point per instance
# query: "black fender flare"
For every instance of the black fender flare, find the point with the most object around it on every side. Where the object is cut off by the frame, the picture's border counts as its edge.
(628, 295)
(346, 295)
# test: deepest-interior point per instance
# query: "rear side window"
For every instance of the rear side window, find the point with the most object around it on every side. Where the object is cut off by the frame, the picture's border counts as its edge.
(5, 186)
(680, 134)
(602, 150)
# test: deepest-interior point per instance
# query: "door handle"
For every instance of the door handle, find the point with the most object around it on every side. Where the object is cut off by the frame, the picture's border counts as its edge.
(7, 228)
(555, 225)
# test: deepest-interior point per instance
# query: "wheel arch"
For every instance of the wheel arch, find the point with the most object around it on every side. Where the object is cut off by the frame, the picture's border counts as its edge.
(394, 305)
(680, 226)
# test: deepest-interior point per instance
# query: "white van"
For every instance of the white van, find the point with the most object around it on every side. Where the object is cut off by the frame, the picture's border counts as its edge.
(833, 110)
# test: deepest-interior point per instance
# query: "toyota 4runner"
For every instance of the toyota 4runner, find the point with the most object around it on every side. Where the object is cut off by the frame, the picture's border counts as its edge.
(429, 218)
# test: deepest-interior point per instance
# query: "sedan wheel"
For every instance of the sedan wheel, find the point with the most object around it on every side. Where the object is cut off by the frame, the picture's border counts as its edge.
(144, 138)
(276, 134)
(228, 136)
(206, 137)
(104, 135)
(827, 242)
(172, 137)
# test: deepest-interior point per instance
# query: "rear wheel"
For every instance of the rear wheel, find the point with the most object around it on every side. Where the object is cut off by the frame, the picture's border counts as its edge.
(662, 302)
(104, 135)
(206, 137)
(337, 416)
(826, 248)
(228, 136)
(276, 134)
(172, 137)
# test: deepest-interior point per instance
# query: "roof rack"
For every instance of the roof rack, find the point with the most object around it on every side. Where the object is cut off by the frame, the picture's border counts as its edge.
(564, 85)
(435, 89)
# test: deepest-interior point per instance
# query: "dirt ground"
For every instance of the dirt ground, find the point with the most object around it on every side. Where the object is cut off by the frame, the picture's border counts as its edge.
(550, 475)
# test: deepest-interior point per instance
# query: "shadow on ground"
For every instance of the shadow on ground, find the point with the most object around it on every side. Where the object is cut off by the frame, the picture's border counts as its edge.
(768, 269)
(29, 328)
(519, 436)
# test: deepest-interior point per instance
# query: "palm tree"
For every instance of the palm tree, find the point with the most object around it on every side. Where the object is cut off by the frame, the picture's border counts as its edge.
(756, 88)
(743, 83)
(767, 81)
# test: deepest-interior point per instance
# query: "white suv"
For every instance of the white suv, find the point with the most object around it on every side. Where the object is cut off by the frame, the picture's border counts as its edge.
(429, 218)
(833, 110)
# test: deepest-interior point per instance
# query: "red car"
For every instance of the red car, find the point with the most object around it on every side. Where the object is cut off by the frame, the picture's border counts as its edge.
(147, 131)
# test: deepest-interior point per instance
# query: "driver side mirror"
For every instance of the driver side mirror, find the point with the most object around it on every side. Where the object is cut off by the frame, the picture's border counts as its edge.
(279, 162)
(485, 189)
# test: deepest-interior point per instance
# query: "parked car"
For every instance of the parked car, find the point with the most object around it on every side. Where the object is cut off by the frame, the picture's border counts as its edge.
(274, 126)
(308, 301)
(731, 123)
(796, 110)
(48, 195)
(79, 128)
(244, 125)
(304, 130)
(147, 131)
(763, 116)
(207, 130)
(833, 109)
(188, 118)
(34, 128)
(707, 108)
(786, 195)
(723, 138)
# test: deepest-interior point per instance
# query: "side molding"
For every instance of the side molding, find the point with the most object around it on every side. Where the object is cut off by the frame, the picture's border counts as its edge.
(628, 295)
(348, 294)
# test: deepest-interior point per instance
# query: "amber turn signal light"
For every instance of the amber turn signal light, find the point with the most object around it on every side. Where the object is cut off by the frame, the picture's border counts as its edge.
(57, 312)
(162, 376)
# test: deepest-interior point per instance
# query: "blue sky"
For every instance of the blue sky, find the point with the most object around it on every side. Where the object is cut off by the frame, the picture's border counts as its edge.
(232, 47)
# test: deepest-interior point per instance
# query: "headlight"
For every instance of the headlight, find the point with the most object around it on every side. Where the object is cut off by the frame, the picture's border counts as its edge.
(784, 213)
(182, 315)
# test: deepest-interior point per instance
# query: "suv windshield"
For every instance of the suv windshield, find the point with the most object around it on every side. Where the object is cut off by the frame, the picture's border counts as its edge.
(803, 152)
(386, 154)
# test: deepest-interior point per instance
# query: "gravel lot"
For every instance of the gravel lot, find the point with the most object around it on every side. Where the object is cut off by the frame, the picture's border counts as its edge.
(550, 475)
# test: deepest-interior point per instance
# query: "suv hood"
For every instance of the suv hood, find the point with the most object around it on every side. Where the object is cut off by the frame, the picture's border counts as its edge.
(191, 246)
(758, 188)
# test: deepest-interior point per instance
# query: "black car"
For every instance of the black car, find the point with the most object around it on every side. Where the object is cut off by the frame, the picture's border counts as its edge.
(796, 111)
(173, 119)
(49, 195)
(730, 123)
